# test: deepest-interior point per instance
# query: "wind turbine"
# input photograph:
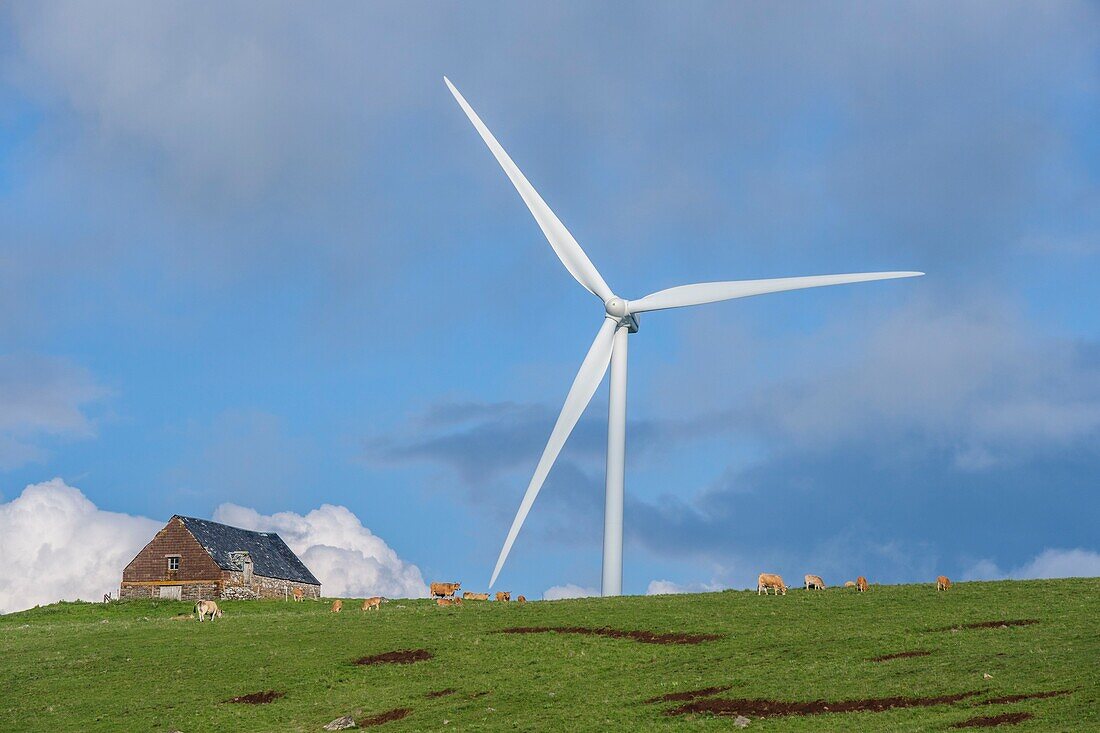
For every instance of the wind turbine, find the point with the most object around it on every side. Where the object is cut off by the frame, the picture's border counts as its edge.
(610, 346)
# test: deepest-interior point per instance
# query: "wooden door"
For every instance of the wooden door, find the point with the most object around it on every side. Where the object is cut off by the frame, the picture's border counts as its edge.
(171, 592)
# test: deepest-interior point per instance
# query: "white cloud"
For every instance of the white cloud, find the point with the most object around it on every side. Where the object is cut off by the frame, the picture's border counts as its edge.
(42, 397)
(569, 590)
(667, 587)
(1050, 563)
(346, 557)
(57, 545)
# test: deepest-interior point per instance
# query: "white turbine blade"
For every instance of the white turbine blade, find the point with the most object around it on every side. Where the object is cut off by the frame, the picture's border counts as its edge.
(580, 394)
(700, 293)
(567, 249)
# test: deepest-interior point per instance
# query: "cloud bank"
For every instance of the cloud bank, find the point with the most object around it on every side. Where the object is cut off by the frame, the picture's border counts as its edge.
(55, 545)
(346, 557)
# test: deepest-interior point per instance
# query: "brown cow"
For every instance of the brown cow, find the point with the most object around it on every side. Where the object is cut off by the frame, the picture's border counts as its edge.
(202, 608)
(444, 590)
(373, 603)
(849, 584)
(504, 595)
(861, 584)
(521, 599)
(337, 605)
(448, 601)
(943, 582)
(770, 580)
(815, 581)
(468, 596)
(298, 594)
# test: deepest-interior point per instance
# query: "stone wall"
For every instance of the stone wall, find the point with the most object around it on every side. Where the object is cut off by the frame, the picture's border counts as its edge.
(231, 587)
(264, 587)
(136, 591)
(194, 591)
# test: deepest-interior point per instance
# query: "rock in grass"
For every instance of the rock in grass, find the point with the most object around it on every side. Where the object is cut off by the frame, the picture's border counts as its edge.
(741, 721)
(341, 723)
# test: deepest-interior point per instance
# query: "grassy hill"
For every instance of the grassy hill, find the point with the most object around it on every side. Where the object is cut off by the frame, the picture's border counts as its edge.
(130, 666)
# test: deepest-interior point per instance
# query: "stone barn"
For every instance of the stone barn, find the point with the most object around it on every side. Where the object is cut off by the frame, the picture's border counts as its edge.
(196, 559)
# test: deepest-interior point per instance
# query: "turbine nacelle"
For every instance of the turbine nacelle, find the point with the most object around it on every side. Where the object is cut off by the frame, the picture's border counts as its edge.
(618, 310)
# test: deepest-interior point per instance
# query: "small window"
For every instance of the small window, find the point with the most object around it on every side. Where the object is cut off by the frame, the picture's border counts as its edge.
(174, 562)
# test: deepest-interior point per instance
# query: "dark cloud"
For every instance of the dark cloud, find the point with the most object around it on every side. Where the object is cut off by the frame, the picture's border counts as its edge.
(895, 519)
(483, 442)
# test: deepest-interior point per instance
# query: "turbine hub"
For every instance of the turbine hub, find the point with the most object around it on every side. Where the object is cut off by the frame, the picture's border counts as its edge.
(616, 307)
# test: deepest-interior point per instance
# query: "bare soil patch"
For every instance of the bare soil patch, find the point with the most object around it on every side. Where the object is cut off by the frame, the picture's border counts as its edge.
(758, 708)
(387, 717)
(402, 656)
(258, 698)
(994, 720)
(646, 637)
(441, 693)
(1028, 696)
(900, 655)
(992, 624)
(688, 695)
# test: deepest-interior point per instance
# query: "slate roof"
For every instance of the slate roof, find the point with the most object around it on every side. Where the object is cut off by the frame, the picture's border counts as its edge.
(270, 555)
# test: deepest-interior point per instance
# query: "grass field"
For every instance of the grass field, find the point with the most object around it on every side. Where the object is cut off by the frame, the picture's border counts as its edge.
(131, 667)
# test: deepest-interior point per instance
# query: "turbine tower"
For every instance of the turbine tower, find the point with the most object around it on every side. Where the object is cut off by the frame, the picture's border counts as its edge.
(610, 347)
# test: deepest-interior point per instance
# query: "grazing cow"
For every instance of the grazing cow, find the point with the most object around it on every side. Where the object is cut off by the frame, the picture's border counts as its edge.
(943, 582)
(861, 584)
(337, 605)
(448, 601)
(298, 594)
(521, 599)
(444, 590)
(815, 581)
(849, 584)
(769, 580)
(202, 608)
(504, 595)
(373, 604)
(468, 596)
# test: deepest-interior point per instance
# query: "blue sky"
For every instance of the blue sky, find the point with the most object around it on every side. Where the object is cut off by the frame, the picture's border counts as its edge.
(261, 257)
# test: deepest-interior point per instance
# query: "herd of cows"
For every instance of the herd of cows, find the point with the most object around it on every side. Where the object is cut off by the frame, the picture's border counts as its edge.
(444, 593)
(774, 582)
